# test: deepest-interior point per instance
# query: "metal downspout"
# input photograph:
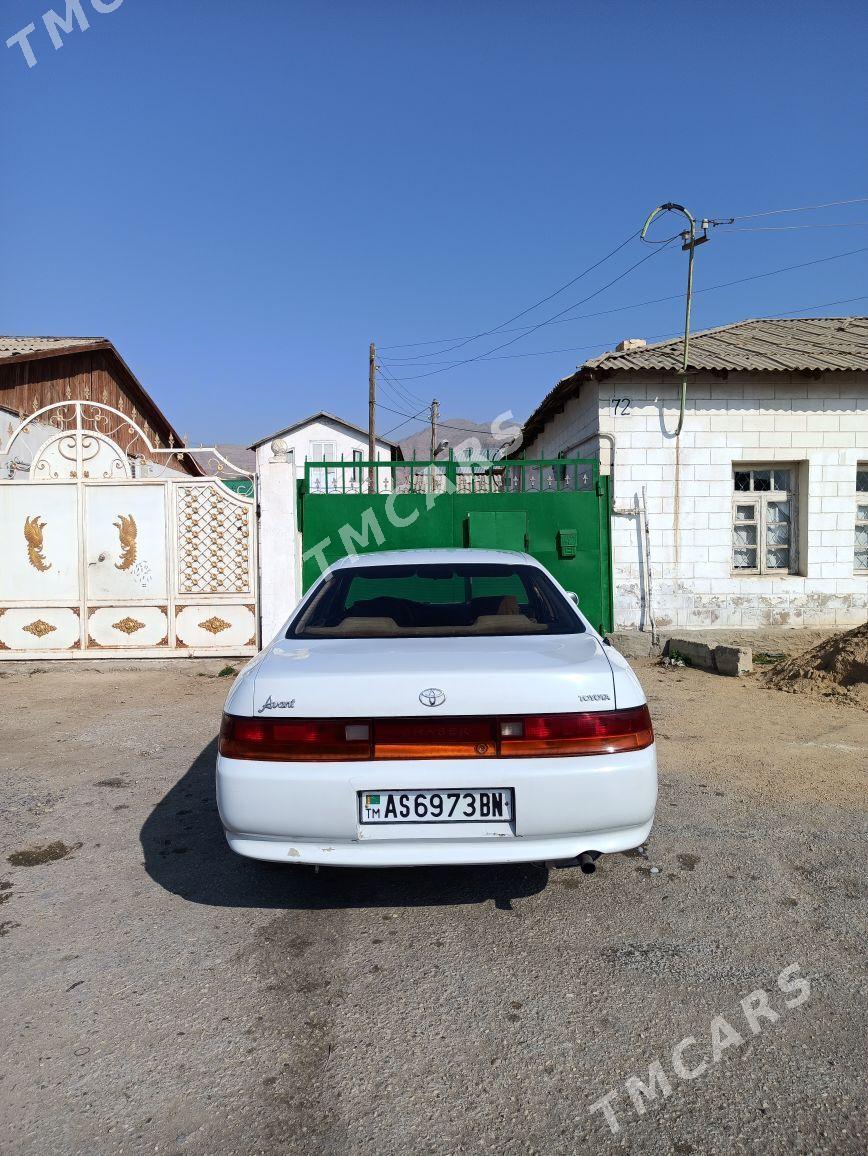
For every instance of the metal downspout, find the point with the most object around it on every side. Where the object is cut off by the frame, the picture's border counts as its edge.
(625, 511)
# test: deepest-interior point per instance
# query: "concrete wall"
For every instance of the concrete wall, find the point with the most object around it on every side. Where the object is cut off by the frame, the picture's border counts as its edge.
(820, 426)
(279, 540)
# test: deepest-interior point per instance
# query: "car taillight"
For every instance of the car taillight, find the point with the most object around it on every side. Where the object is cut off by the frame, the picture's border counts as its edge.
(452, 738)
(601, 732)
(294, 740)
(527, 736)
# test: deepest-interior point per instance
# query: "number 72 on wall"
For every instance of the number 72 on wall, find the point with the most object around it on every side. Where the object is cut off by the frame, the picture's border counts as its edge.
(621, 406)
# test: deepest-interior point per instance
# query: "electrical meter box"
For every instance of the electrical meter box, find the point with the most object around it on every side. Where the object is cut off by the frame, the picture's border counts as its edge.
(568, 543)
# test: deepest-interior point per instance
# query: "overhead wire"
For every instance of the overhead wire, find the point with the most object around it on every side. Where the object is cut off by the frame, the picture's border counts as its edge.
(660, 337)
(727, 228)
(609, 341)
(678, 296)
(461, 342)
(413, 398)
(396, 390)
(413, 417)
(440, 424)
(798, 209)
(541, 324)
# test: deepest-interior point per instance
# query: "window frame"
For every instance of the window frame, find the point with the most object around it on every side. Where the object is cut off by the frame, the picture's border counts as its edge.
(861, 502)
(761, 500)
(358, 458)
(322, 480)
(318, 445)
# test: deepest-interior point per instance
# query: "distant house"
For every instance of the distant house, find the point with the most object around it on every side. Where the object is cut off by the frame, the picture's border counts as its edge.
(323, 437)
(757, 515)
(36, 372)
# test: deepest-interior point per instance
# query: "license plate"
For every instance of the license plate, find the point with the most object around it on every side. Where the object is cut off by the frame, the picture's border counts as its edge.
(469, 805)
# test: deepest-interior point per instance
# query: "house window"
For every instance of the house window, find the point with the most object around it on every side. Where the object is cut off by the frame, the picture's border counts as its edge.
(860, 554)
(322, 480)
(357, 473)
(323, 452)
(763, 520)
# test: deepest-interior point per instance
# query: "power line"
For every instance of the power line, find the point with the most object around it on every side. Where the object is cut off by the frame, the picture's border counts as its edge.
(789, 228)
(391, 391)
(405, 396)
(395, 390)
(544, 352)
(610, 340)
(548, 321)
(822, 305)
(707, 289)
(388, 377)
(440, 424)
(415, 417)
(799, 209)
(742, 217)
(578, 277)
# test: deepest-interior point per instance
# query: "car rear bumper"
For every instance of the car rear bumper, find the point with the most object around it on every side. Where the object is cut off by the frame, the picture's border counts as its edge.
(308, 812)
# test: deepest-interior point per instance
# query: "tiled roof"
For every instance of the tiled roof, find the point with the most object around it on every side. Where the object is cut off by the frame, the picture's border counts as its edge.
(27, 346)
(765, 345)
(323, 415)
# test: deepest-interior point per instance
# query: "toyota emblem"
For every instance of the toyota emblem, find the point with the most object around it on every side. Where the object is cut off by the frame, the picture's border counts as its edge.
(432, 697)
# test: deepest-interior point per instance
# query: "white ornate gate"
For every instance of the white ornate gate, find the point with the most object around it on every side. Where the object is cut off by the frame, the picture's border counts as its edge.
(111, 552)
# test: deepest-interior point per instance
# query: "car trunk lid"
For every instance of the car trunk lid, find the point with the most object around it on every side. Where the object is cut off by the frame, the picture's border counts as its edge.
(424, 677)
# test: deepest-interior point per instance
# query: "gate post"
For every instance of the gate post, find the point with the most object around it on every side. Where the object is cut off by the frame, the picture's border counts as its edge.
(280, 589)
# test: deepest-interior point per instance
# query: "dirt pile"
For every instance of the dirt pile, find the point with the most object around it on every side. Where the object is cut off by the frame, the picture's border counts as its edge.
(837, 668)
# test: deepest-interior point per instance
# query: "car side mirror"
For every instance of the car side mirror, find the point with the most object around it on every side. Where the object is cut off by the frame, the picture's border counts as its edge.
(573, 597)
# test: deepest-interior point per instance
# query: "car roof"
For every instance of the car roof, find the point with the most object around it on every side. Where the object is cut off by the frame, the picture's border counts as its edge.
(435, 555)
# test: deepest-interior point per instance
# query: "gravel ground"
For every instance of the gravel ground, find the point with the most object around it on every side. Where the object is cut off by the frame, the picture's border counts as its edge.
(163, 995)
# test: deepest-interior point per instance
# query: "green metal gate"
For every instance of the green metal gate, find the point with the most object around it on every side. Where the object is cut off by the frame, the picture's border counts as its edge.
(556, 510)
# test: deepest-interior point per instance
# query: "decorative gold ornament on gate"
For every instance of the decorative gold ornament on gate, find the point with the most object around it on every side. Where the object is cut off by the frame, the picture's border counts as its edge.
(128, 533)
(33, 529)
(39, 628)
(128, 625)
(215, 625)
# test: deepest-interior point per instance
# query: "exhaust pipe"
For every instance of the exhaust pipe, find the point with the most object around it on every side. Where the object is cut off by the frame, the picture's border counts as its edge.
(588, 862)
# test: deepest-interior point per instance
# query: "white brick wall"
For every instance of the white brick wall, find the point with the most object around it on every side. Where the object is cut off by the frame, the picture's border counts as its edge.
(820, 425)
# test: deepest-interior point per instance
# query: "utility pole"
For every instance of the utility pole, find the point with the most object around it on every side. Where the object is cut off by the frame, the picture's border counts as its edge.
(435, 413)
(372, 414)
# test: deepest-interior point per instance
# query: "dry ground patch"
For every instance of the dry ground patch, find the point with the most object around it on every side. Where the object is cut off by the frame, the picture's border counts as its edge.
(162, 995)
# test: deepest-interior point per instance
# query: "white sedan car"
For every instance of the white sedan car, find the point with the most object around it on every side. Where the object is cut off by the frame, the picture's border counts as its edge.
(436, 707)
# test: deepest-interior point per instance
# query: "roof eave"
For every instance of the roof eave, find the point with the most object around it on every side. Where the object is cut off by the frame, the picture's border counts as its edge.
(551, 404)
(57, 351)
(328, 417)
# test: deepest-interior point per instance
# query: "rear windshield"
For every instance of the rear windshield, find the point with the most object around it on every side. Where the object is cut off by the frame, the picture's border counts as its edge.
(455, 600)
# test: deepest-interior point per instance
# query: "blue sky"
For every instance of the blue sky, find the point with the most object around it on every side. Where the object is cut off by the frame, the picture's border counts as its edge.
(243, 195)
